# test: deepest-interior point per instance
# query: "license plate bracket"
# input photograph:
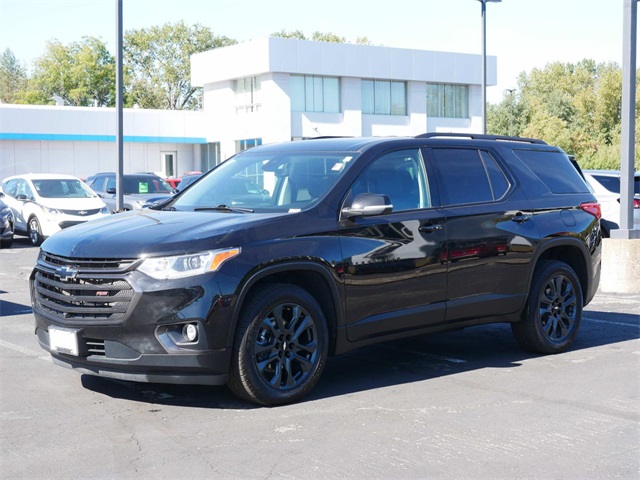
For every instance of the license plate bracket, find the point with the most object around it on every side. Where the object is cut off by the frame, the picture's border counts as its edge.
(63, 340)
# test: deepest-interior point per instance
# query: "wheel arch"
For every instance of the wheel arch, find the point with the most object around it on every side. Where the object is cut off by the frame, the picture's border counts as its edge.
(570, 251)
(313, 277)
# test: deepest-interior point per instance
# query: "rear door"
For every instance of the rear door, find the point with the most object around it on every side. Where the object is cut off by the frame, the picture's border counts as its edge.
(491, 233)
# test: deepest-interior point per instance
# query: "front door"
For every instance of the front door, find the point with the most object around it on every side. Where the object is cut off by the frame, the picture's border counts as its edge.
(394, 278)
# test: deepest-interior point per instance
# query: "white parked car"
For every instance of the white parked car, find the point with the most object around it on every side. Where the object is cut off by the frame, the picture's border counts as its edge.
(606, 187)
(44, 204)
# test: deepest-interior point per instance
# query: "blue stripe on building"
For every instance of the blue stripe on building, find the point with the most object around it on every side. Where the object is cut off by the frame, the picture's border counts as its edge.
(98, 138)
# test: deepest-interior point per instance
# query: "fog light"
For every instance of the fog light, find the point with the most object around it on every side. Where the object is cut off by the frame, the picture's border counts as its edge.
(190, 332)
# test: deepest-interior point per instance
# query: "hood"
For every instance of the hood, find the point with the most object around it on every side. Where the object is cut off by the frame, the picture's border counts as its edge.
(151, 232)
(72, 203)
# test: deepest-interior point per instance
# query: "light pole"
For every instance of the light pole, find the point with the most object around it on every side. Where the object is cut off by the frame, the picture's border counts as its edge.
(484, 61)
(511, 91)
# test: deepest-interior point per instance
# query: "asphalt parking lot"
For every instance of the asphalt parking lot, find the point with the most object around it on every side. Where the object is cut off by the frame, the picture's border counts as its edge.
(467, 404)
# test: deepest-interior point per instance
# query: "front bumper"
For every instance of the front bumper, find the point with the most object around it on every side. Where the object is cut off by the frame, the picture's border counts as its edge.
(199, 368)
(129, 326)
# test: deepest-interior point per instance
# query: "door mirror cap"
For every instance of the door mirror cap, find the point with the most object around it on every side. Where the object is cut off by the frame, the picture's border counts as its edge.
(367, 205)
(111, 191)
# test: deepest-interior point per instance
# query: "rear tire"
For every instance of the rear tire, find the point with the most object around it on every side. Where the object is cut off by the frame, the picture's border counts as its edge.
(280, 348)
(553, 313)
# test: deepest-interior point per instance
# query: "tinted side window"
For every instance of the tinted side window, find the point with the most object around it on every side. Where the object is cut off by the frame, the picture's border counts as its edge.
(555, 170)
(499, 182)
(401, 176)
(465, 177)
(111, 183)
(9, 187)
(24, 189)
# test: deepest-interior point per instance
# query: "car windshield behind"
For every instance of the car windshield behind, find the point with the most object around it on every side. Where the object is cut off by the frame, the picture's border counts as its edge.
(267, 182)
(62, 188)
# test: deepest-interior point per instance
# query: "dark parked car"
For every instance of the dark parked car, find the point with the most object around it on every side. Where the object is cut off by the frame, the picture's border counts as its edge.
(7, 224)
(345, 242)
(140, 189)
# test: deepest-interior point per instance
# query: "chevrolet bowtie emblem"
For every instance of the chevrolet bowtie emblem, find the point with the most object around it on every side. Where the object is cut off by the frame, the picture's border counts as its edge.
(66, 273)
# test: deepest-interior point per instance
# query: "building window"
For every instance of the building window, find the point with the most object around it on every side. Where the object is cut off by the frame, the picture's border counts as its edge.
(247, 94)
(315, 94)
(384, 97)
(445, 100)
(209, 156)
(247, 143)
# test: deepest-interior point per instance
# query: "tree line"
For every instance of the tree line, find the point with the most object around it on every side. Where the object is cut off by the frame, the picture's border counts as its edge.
(575, 106)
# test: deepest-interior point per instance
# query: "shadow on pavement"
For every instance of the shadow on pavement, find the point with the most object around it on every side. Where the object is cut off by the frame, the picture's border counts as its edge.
(388, 364)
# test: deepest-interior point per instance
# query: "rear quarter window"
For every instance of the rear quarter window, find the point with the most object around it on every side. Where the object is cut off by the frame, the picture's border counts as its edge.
(554, 169)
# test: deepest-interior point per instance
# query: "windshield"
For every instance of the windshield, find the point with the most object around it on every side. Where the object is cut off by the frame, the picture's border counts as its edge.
(142, 185)
(63, 188)
(261, 182)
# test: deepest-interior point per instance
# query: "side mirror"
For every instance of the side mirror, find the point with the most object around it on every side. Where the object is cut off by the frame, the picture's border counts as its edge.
(367, 205)
(22, 197)
(111, 191)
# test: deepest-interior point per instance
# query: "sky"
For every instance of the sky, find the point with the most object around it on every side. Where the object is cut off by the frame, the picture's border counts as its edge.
(522, 34)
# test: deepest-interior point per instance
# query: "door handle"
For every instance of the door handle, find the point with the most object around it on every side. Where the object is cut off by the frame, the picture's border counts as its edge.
(431, 228)
(520, 218)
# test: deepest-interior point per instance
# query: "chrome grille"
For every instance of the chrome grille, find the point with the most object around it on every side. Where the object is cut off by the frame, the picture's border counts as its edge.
(81, 213)
(97, 290)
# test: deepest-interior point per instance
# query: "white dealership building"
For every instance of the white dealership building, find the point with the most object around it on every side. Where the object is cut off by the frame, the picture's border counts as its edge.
(258, 92)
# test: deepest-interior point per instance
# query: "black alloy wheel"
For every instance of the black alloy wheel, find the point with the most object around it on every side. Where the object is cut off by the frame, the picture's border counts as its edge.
(281, 346)
(553, 315)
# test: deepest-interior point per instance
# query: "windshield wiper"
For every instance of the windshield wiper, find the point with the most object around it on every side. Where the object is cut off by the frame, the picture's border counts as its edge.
(224, 208)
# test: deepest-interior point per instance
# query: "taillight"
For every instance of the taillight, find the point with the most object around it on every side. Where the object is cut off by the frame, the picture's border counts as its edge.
(593, 208)
(636, 202)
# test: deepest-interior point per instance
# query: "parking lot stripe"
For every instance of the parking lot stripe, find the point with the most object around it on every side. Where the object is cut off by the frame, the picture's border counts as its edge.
(25, 351)
(635, 325)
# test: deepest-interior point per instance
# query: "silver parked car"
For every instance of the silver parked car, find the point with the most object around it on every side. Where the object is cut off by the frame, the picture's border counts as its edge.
(141, 190)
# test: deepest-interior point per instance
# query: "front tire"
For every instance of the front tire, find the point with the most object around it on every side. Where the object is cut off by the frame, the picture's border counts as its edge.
(280, 348)
(35, 232)
(553, 314)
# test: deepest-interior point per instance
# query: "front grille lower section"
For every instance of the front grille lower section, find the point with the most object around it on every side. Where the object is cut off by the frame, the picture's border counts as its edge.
(81, 213)
(75, 291)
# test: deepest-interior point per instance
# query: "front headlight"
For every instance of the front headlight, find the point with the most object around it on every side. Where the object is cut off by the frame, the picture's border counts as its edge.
(180, 266)
(105, 209)
(51, 211)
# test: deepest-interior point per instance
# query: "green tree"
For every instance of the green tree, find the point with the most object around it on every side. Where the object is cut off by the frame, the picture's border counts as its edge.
(320, 37)
(575, 106)
(82, 73)
(158, 64)
(13, 77)
(297, 34)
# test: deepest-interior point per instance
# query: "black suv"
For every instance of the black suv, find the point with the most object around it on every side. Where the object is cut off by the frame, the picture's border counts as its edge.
(140, 189)
(288, 253)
